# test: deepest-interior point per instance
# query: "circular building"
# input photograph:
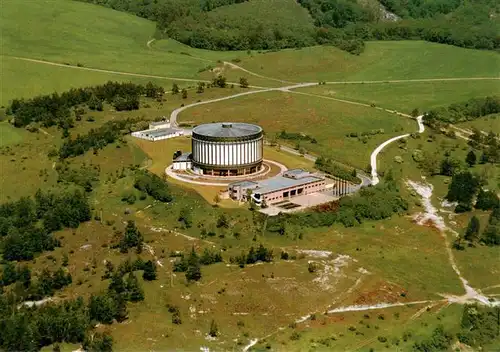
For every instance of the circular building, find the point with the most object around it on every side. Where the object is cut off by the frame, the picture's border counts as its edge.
(227, 149)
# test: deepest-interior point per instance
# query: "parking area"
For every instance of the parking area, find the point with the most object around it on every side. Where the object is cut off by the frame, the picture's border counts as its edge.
(299, 203)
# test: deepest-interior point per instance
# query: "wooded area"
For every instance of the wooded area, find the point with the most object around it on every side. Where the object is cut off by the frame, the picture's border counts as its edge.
(226, 25)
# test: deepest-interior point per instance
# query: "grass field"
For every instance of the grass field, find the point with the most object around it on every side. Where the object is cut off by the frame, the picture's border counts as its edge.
(405, 97)
(359, 331)
(380, 61)
(381, 259)
(326, 120)
(10, 135)
(488, 123)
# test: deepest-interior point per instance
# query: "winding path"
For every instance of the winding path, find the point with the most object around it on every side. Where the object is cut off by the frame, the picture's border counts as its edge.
(176, 112)
(373, 156)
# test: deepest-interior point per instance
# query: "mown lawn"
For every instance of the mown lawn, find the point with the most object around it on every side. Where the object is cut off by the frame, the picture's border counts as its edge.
(327, 121)
(405, 97)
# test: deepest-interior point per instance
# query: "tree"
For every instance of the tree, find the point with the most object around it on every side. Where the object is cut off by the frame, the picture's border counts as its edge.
(184, 93)
(491, 235)
(131, 238)
(95, 103)
(149, 273)
(102, 308)
(487, 200)
(175, 88)
(471, 158)
(476, 138)
(186, 217)
(222, 221)
(415, 112)
(134, 290)
(193, 272)
(98, 343)
(472, 231)
(243, 82)
(9, 274)
(462, 189)
(200, 88)
(24, 276)
(219, 81)
(214, 330)
(116, 284)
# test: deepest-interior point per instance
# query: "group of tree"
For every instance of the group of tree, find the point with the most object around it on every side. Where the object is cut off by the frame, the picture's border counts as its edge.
(132, 237)
(479, 328)
(465, 188)
(228, 24)
(489, 144)
(55, 109)
(490, 236)
(330, 167)
(96, 138)
(26, 224)
(294, 136)
(459, 112)
(371, 203)
(191, 264)
(27, 287)
(71, 321)
(85, 176)
(261, 254)
(153, 186)
(148, 269)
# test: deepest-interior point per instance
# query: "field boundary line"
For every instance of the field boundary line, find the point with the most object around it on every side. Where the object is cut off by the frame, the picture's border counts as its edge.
(143, 75)
(230, 64)
(417, 80)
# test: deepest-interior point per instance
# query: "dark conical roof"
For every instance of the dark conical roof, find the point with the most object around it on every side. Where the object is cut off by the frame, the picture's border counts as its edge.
(227, 129)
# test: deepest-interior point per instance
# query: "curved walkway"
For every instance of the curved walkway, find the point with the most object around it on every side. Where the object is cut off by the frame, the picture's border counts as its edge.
(170, 173)
(176, 112)
(373, 156)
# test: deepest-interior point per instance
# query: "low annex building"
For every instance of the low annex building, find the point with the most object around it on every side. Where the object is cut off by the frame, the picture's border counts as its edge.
(290, 184)
(182, 161)
(158, 131)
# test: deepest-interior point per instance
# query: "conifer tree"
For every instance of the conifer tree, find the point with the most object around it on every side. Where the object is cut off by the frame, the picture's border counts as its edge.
(471, 158)
(472, 231)
(134, 290)
(193, 272)
(117, 285)
(149, 271)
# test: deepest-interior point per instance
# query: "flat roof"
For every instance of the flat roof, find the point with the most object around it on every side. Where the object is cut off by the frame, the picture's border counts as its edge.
(279, 182)
(243, 184)
(227, 129)
(186, 156)
(160, 132)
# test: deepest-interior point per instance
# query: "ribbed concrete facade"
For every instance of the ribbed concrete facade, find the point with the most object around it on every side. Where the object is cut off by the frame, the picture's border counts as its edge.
(227, 149)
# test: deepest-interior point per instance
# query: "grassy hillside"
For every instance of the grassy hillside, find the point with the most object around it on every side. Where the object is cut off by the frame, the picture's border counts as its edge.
(405, 97)
(264, 24)
(380, 61)
(327, 121)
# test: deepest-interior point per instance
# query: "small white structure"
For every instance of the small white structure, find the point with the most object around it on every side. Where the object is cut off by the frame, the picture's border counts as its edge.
(158, 131)
(158, 134)
(183, 162)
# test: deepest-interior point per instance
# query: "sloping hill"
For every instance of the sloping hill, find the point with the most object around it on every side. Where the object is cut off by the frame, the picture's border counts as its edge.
(264, 24)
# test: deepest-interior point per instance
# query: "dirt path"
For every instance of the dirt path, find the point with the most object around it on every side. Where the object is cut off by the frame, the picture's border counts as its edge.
(373, 156)
(230, 64)
(151, 41)
(119, 72)
(418, 80)
(432, 214)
